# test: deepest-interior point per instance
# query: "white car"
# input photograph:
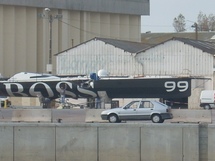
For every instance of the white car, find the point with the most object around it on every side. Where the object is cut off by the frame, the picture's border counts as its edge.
(139, 110)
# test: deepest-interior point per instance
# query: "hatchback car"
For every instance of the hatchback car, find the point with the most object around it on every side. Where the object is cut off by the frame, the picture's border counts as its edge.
(139, 110)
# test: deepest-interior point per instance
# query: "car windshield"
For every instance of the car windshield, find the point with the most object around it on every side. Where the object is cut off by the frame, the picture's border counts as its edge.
(132, 105)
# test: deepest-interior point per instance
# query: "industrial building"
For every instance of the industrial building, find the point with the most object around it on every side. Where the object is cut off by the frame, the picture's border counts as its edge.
(31, 35)
(33, 31)
(176, 57)
(179, 57)
(115, 56)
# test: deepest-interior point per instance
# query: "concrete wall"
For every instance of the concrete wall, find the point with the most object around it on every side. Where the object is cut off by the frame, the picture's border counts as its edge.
(105, 142)
(211, 142)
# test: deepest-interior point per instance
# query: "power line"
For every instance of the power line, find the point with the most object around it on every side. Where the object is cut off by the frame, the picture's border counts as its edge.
(132, 25)
(89, 32)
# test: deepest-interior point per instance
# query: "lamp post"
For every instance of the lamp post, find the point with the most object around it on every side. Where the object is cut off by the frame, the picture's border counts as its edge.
(50, 38)
(48, 15)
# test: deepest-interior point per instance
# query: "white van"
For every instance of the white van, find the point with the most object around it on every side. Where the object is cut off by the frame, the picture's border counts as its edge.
(207, 99)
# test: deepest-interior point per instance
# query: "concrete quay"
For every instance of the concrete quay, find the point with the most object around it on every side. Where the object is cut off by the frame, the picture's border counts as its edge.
(106, 142)
(33, 135)
(81, 135)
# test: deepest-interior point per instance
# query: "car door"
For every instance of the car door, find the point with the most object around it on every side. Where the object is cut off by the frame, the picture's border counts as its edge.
(144, 111)
(129, 111)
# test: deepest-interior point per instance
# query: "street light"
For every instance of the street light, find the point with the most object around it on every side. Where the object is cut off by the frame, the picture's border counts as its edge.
(48, 15)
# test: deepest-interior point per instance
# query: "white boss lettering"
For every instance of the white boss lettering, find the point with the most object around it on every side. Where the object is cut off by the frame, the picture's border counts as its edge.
(88, 92)
(73, 95)
(32, 91)
(20, 89)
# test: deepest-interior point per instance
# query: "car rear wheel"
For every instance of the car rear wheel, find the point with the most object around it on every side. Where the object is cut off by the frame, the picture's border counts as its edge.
(156, 118)
(113, 118)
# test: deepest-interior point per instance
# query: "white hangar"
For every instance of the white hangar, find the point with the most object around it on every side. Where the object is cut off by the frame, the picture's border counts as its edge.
(180, 57)
(115, 56)
(176, 57)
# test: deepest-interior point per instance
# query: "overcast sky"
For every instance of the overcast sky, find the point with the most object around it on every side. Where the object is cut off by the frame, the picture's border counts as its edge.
(162, 13)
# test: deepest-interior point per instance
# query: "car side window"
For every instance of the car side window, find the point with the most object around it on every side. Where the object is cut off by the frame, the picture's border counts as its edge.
(147, 104)
(141, 104)
(133, 105)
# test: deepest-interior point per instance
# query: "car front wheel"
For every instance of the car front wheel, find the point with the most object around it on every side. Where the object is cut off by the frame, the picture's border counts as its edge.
(113, 118)
(156, 118)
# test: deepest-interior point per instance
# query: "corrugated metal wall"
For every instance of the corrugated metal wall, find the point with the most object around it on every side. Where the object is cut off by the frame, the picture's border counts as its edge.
(172, 58)
(95, 55)
(24, 40)
(175, 58)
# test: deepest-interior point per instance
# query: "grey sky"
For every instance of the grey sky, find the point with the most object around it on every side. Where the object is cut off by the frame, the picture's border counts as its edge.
(162, 13)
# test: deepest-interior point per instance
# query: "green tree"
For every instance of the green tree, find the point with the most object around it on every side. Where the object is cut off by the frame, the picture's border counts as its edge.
(179, 23)
(206, 23)
(203, 22)
(211, 22)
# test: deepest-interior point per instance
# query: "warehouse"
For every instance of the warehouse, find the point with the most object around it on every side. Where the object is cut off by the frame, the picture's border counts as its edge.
(115, 56)
(180, 57)
(176, 57)
(31, 35)
(27, 42)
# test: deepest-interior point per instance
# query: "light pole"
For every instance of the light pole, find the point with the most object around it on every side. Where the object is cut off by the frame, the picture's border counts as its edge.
(48, 15)
(50, 36)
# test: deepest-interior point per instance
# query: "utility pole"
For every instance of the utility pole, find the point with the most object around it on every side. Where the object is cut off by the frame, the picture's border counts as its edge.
(196, 29)
(48, 15)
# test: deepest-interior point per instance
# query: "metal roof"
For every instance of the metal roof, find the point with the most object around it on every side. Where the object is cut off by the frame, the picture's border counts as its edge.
(156, 38)
(128, 46)
(205, 46)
